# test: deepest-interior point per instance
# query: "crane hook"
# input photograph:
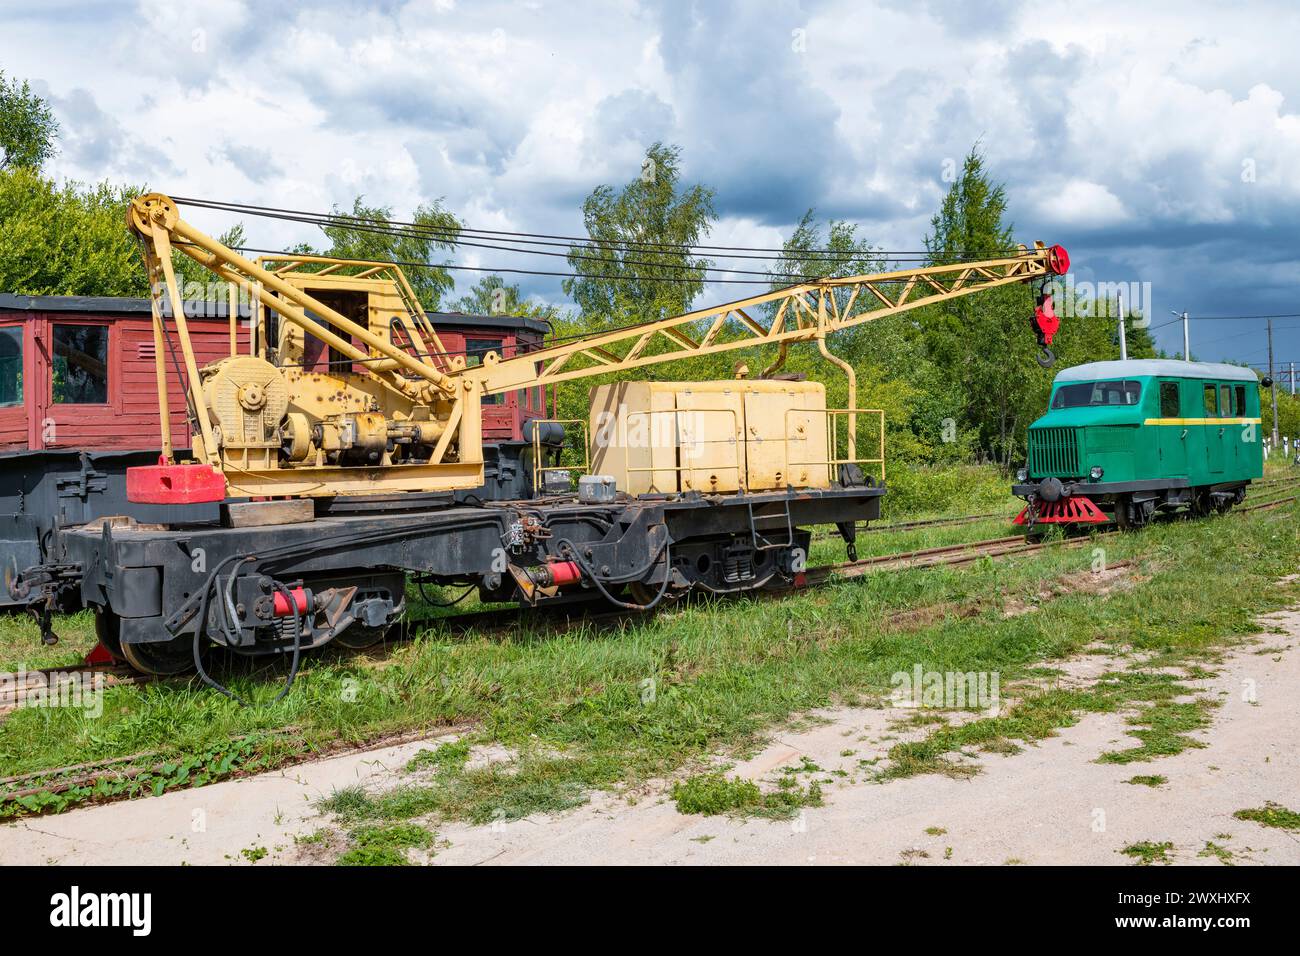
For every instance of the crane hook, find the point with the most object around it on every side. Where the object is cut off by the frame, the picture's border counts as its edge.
(1045, 323)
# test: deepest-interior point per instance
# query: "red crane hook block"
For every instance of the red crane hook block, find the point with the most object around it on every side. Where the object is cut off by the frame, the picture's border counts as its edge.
(1046, 321)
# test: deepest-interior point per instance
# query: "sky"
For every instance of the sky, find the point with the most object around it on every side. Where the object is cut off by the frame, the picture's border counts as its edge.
(1158, 142)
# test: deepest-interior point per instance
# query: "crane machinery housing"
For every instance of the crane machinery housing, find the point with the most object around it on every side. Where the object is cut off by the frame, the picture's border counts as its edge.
(314, 496)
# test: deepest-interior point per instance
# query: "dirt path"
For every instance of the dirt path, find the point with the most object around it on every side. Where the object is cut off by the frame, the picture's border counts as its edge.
(1051, 803)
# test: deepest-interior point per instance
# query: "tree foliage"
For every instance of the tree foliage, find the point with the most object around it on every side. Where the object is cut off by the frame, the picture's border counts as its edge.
(66, 240)
(364, 232)
(28, 129)
(492, 295)
(623, 284)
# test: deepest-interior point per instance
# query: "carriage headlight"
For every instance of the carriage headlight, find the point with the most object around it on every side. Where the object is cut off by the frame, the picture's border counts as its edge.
(1022, 475)
(1095, 472)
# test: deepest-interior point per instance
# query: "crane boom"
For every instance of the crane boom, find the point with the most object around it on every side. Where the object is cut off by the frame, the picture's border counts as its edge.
(802, 313)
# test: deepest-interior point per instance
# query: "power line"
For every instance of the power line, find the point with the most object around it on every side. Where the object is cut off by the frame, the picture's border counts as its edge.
(451, 235)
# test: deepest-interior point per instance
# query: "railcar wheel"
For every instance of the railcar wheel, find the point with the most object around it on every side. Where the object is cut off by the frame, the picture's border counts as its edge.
(643, 594)
(1202, 503)
(358, 637)
(108, 628)
(161, 658)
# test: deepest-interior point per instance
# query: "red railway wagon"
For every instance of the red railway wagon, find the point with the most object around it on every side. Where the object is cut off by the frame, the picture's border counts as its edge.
(79, 406)
(78, 372)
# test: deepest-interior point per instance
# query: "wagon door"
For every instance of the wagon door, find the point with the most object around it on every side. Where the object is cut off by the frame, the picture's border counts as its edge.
(13, 414)
(1213, 430)
(1171, 433)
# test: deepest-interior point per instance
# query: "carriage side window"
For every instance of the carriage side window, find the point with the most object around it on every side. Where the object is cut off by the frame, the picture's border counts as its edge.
(1211, 401)
(1241, 401)
(475, 349)
(1225, 399)
(80, 372)
(1169, 407)
(11, 366)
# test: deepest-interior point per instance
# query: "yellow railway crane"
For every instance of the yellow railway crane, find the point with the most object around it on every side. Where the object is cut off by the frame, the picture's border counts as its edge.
(395, 412)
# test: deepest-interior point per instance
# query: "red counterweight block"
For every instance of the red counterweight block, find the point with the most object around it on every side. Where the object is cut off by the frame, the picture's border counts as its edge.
(1076, 509)
(169, 484)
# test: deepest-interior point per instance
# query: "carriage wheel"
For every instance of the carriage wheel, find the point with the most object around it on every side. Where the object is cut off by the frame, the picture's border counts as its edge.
(108, 628)
(161, 658)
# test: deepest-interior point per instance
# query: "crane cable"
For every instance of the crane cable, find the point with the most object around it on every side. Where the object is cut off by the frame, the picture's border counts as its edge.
(406, 227)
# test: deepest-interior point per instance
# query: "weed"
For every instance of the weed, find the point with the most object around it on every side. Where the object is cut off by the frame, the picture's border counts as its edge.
(1271, 815)
(567, 701)
(711, 794)
(1147, 853)
(1221, 853)
(385, 845)
(1148, 780)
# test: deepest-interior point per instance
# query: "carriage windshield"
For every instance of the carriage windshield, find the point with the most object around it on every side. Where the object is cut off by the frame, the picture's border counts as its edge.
(1082, 394)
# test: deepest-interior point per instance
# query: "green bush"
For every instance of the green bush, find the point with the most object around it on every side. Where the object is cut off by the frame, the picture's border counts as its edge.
(960, 489)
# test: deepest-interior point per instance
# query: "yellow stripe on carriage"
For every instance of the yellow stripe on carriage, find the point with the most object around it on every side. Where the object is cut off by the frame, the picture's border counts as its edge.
(1203, 421)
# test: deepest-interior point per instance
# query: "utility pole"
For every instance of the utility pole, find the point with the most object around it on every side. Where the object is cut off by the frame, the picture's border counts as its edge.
(1187, 340)
(1123, 343)
(1270, 375)
(1292, 377)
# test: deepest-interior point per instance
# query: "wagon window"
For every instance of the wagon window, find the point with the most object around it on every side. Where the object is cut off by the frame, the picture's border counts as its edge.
(80, 373)
(1169, 407)
(1077, 395)
(11, 366)
(475, 349)
(1241, 400)
(1211, 401)
(1225, 399)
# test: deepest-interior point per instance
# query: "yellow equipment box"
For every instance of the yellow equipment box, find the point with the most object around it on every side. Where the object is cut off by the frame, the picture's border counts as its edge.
(673, 437)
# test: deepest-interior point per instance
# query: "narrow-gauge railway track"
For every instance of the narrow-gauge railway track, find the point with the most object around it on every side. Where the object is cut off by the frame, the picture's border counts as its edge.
(53, 681)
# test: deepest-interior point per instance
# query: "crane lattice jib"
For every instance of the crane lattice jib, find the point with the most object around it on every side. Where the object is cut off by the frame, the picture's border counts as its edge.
(803, 312)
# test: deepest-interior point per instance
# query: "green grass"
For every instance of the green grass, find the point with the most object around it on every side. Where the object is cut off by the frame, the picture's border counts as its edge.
(21, 647)
(1166, 724)
(1220, 853)
(1271, 815)
(1042, 714)
(384, 845)
(712, 794)
(1148, 780)
(568, 704)
(1147, 853)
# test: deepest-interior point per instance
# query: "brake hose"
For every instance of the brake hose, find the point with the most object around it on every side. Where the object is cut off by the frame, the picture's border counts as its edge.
(566, 544)
(226, 629)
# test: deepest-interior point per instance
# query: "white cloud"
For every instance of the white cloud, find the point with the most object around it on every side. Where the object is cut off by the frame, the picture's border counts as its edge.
(1130, 132)
(1080, 203)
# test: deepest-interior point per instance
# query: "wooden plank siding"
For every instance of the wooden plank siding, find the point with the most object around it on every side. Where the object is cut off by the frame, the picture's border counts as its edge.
(129, 419)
